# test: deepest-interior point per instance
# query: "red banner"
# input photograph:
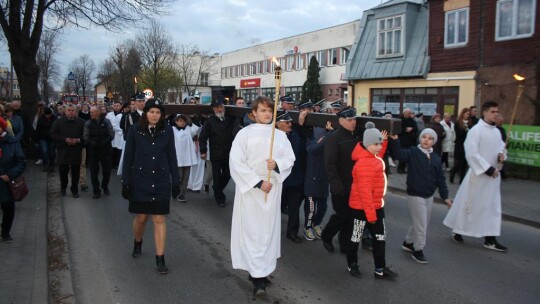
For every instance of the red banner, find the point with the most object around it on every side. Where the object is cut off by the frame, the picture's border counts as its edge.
(250, 83)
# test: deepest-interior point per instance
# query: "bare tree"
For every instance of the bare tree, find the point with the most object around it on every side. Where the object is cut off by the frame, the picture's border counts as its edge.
(107, 73)
(49, 69)
(83, 68)
(191, 64)
(128, 64)
(158, 56)
(22, 22)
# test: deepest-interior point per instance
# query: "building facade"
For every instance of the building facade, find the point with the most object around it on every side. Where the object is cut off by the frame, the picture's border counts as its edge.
(250, 71)
(9, 85)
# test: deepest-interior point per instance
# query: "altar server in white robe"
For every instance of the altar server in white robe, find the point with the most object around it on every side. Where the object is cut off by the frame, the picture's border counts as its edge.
(476, 210)
(196, 174)
(256, 221)
(184, 131)
(118, 141)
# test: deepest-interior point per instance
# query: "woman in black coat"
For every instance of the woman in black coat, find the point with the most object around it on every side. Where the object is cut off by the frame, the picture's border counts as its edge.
(12, 165)
(461, 128)
(149, 169)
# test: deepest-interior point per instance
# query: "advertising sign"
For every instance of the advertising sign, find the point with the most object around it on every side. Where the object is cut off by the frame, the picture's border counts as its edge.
(250, 83)
(524, 145)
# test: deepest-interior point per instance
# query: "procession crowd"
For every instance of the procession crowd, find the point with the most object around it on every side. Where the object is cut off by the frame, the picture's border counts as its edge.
(161, 156)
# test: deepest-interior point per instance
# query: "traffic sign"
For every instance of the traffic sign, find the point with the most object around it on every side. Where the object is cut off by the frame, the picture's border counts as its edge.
(148, 93)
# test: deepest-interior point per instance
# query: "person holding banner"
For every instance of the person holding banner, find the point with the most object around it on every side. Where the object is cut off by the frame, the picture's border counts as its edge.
(256, 221)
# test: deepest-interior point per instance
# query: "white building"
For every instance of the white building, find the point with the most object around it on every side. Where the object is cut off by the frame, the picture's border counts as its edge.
(250, 71)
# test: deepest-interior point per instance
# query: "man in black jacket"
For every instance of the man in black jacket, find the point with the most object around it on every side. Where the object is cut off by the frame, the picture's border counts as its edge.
(67, 132)
(218, 130)
(339, 165)
(98, 135)
(128, 120)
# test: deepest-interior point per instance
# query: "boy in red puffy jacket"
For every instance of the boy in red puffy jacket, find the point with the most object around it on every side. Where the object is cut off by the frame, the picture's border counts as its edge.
(367, 201)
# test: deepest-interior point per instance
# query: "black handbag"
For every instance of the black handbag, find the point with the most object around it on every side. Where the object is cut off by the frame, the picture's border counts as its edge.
(18, 188)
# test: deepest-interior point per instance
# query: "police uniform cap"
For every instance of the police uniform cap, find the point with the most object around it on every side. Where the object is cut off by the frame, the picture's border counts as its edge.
(153, 103)
(305, 105)
(287, 99)
(347, 113)
(283, 116)
(336, 105)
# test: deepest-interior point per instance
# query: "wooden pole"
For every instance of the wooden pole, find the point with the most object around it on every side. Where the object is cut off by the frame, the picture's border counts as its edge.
(520, 89)
(277, 75)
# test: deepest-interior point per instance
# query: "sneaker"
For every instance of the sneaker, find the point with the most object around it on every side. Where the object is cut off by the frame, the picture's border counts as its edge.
(7, 238)
(293, 238)
(407, 246)
(457, 238)
(418, 255)
(259, 287)
(39, 162)
(318, 231)
(384, 273)
(353, 270)
(494, 245)
(182, 199)
(309, 234)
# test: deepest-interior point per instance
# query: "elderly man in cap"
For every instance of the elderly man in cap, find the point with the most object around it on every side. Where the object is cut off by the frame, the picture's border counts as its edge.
(217, 130)
(338, 164)
(287, 103)
(336, 107)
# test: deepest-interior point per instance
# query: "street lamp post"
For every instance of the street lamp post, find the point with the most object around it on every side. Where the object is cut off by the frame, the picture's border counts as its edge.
(71, 78)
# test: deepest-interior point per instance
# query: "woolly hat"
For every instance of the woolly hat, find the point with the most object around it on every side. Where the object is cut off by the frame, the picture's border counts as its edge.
(371, 135)
(431, 132)
(3, 124)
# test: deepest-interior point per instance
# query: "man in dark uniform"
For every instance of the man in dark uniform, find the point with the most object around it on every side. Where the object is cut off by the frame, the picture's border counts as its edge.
(217, 129)
(336, 106)
(67, 132)
(287, 103)
(98, 135)
(128, 120)
(339, 165)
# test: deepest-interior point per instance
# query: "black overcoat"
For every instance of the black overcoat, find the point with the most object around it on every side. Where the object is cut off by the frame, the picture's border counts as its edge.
(64, 128)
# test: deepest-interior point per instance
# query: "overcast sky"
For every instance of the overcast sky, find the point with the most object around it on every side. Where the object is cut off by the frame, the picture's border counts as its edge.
(219, 26)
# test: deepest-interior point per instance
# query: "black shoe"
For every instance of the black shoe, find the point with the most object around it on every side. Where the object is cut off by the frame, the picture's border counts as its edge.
(294, 238)
(407, 247)
(137, 249)
(367, 243)
(196, 191)
(266, 280)
(106, 191)
(7, 238)
(259, 287)
(84, 188)
(63, 192)
(221, 204)
(328, 246)
(401, 171)
(385, 273)
(353, 270)
(76, 195)
(457, 238)
(96, 195)
(494, 245)
(182, 198)
(161, 267)
(206, 188)
(418, 255)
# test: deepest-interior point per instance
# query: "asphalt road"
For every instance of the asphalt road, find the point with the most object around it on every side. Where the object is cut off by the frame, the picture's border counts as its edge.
(198, 257)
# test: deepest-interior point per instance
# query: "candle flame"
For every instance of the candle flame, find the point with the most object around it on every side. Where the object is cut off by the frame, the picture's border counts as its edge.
(274, 60)
(518, 78)
(135, 79)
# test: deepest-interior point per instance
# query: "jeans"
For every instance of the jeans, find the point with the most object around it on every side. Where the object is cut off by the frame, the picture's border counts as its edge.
(48, 151)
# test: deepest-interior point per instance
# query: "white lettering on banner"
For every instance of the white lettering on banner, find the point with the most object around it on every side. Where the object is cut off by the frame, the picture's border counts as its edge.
(525, 136)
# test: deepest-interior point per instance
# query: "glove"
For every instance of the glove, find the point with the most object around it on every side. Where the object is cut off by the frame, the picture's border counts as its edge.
(175, 191)
(126, 192)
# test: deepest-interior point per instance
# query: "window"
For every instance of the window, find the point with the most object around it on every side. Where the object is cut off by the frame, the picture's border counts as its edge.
(265, 66)
(330, 92)
(299, 62)
(290, 62)
(321, 58)
(344, 55)
(390, 36)
(515, 19)
(204, 79)
(332, 57)
(337, 91)
(456, 32)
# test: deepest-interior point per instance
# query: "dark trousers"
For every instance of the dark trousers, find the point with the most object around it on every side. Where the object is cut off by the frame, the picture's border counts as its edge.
(314, 210)
(8, 214)
(339, 221)
(116, 154)
(402, 166)
(100, 156)
(221, 175)
(378, 235)
(75, 175)
(444, 159)
(184, 178)
(460, 168)
(293, 197)
(48, 152)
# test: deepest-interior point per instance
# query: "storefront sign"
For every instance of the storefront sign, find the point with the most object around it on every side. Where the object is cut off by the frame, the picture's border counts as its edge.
(428, 109)
(524, 145)
(250, 83)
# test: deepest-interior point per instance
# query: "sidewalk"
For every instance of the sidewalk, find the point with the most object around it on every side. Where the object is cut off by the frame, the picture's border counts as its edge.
(23, 261)
(520, 198)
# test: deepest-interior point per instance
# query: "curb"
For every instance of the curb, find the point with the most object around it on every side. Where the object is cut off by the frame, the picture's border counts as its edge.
(59, 264)
(505, 217)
